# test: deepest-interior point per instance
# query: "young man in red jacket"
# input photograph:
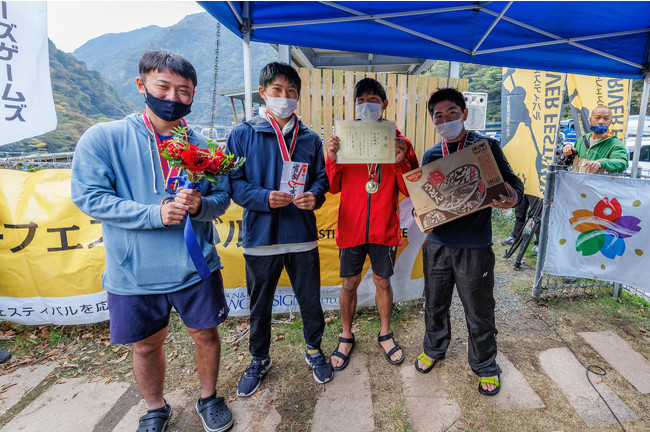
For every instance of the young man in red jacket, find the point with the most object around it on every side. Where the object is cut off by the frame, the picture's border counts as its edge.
(368, 223)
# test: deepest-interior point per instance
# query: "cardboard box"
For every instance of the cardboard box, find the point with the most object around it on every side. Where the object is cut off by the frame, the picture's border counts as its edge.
(454, 186)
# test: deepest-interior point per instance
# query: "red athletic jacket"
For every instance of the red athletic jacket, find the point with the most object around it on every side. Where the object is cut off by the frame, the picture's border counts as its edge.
(369, 218)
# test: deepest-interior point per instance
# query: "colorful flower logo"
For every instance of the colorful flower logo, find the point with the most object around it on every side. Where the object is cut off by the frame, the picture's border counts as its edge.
(604, 229)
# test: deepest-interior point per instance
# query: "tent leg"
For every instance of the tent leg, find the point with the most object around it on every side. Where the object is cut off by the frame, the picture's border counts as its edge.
(639, 130)
(543, 232)
(248, 88)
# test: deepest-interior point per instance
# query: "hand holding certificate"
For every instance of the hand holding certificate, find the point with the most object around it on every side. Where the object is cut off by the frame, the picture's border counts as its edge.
(365, 142)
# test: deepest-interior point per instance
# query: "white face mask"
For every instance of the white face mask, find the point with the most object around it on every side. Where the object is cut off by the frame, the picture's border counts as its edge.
(451, 129)
(281, 107)
(369, 111)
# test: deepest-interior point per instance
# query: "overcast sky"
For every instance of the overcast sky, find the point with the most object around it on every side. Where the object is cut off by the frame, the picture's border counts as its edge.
(73, 23)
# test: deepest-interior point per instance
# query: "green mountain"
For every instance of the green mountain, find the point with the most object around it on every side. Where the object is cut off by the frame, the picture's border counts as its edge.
(81, 97)
(116, 57)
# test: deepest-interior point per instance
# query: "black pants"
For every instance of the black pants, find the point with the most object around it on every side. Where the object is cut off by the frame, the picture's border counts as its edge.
(520, 216)
(472, 270)
(262, 275)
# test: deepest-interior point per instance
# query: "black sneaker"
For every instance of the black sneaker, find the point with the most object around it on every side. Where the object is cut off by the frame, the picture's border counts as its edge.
(215, 415)
(318, 363)
(251, 379)
(507, 242)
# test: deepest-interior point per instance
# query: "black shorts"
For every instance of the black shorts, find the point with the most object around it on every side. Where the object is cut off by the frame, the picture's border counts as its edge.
(382, 259)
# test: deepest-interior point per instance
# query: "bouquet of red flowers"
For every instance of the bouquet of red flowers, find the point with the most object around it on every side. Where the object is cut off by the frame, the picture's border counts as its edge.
(199, 164)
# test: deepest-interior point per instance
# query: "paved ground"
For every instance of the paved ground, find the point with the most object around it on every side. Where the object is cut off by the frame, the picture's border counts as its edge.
(30, 401)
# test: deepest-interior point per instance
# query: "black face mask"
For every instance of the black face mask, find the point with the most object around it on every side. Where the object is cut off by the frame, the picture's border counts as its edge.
(165, 109)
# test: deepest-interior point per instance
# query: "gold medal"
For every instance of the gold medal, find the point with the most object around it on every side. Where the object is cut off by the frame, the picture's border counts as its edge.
(372, 187)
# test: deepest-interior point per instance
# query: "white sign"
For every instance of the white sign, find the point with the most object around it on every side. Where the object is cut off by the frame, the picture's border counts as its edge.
(26, 102)
(599, 228)
(477, 110)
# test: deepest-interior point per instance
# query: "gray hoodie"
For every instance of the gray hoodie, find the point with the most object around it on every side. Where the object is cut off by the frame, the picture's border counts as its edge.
(117, 180)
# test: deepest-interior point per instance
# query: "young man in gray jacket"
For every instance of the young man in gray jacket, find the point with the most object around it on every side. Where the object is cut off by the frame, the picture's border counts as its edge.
(119, 178)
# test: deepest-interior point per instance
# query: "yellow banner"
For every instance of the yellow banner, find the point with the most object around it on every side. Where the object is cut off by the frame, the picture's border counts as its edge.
(587, 92)
(52, 256)
(530, 114)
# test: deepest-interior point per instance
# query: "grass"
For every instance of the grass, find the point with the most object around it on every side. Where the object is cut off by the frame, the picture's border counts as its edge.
(85, 351)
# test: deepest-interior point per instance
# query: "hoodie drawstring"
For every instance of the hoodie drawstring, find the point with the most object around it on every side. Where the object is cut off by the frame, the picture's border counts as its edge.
(153, 167)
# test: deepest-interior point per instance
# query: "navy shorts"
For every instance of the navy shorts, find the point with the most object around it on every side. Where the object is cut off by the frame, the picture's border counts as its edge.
(382, 259)
(136, 317)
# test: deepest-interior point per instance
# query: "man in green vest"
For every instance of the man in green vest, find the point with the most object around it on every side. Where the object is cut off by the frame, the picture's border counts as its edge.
(600, 148)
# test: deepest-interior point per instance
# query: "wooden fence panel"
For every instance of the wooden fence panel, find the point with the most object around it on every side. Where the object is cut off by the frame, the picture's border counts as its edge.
(411, 103)
(304, 106)
(339, 96)
(431, 138)
(422, 117)
(400, 120)
(316, 102)
(391, 91)
(349, 95)
(327, 104)
(328, 95)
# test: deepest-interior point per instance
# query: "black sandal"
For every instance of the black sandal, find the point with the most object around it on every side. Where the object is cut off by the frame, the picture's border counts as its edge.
(155, 421)
(339, 354)
(393, 350)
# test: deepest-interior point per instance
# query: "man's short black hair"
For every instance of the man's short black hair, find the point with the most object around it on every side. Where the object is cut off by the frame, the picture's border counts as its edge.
(369, 85)
(166, 61)
(447, 94)
(272, 71)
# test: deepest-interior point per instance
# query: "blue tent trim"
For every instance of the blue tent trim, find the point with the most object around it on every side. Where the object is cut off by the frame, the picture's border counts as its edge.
(592, 38)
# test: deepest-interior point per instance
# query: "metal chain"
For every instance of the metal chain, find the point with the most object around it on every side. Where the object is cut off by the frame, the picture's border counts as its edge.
(212, 131)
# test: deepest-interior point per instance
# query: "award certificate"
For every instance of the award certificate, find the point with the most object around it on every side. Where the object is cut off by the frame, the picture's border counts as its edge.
(365, 142)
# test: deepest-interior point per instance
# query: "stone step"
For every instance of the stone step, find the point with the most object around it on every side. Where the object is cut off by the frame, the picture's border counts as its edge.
(569, 375)
(347, 400)
(427, 404)
(255, 413)
(515, 393)
(177, 399)
(75, 405)
(619, 354)
(20, 382)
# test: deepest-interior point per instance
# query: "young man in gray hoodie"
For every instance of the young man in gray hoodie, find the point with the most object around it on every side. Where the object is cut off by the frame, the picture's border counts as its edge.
(120, 179)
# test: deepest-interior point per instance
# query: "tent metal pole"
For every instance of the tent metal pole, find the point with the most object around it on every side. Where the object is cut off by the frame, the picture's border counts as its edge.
(284, 52)
(491, 28)
(235, 13)
(246, 35)
(359, 16)
(639, 128)
(454, 70)
(543, 231)
(627, 110)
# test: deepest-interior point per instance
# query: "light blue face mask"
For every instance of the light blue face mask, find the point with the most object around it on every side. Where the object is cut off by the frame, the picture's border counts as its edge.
(598, 129)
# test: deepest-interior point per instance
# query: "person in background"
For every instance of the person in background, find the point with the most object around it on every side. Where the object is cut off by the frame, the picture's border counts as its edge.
(520, 219)
(459, 253)
(600, 147)
(120, 178)
(368, 223)
(279, 230)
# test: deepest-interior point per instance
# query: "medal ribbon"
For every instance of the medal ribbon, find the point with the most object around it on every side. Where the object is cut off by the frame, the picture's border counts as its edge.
(286, 154)
(445, 150)
(372, 171)
(164, 163)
